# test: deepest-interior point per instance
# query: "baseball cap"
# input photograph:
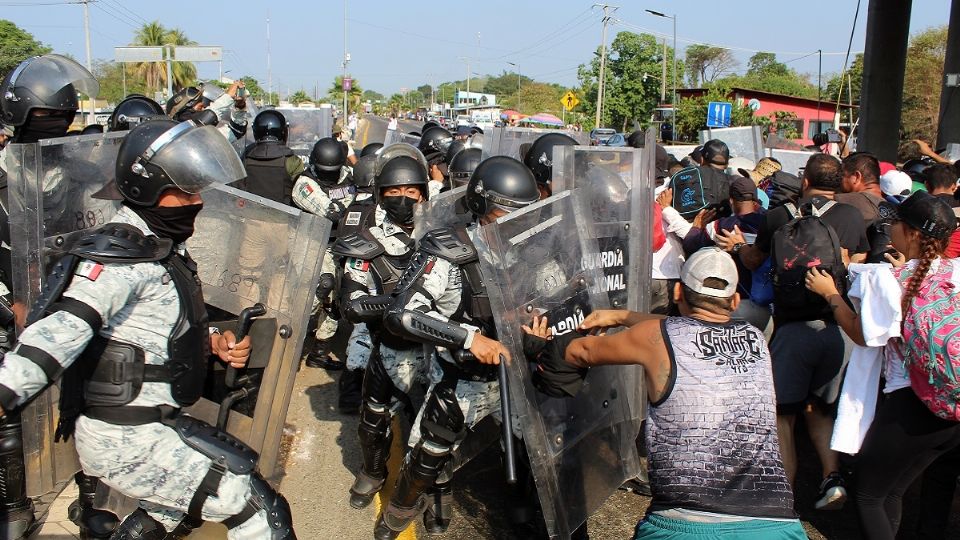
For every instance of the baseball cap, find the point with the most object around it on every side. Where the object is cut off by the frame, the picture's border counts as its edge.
(710, 262)
(896, 183)
(929, 214)
(716, 151)
(764, 169)
(738, 162)
(743, 189)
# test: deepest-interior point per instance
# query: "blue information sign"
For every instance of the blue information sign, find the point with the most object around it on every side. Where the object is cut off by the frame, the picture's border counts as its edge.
(718, 114)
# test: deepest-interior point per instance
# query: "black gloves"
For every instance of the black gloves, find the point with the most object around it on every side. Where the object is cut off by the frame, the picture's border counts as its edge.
(552, 374)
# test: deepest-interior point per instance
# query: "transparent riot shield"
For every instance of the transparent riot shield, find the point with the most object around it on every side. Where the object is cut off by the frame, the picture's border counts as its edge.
(581, 448)
(48, 196)
(620, 198)
(791, 161)
(394, 136)
(745, 141)
(445, 210)
(307, 126)
(249, 249)
(507, 141)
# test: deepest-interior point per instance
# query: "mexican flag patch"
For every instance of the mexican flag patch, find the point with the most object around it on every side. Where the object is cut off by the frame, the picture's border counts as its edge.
(360, 264)
(89, 269)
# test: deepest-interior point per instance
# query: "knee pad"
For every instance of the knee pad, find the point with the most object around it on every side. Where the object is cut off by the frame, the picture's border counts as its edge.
(443, 422)
(375, 438)
(263, 497)
(140, 526)
(377, 385)
(93, 522)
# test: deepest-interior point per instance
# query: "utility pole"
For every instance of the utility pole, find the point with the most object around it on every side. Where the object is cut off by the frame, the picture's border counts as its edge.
(517, 65)
(607, 10)
(86, 35)
(269, 72)
(674, 17)
(346, 60)
(663, 79)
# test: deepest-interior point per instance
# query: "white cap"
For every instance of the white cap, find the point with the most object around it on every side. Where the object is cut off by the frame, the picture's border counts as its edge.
(710, 262)
(895, 183)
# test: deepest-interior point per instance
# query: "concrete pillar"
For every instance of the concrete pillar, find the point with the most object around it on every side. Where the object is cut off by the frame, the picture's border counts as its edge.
(949, 130)
(884, 61)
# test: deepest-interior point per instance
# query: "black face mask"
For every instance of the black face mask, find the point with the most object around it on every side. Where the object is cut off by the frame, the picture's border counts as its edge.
(42, 127)
(173, 222)
(400, 209)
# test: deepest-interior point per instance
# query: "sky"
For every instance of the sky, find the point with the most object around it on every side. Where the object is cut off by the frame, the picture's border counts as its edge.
(395, 45)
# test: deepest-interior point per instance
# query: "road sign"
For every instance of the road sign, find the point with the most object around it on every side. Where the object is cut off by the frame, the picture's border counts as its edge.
(718, 114)
(569, 100)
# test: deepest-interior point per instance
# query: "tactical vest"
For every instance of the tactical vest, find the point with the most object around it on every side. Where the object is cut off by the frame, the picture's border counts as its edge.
(111, 372)
(266, 165)
(336, 191)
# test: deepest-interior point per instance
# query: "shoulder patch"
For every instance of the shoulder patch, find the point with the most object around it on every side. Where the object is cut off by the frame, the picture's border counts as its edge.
(89, 269)
(359, 264)
(305, 189)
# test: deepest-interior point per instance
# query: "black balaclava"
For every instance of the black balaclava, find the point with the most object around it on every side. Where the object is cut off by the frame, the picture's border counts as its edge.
(399, 208)
(173, 222)
(37, 128)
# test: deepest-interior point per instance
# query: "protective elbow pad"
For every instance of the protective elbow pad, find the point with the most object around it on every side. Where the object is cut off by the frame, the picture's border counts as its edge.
(423, 328)
(367, 308)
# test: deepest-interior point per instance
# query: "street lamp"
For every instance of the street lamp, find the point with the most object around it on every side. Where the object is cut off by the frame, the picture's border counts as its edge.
(517, 65)
(674, 17)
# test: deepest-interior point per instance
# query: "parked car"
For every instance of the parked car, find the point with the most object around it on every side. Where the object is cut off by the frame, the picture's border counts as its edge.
(617, 139)
(599, 135)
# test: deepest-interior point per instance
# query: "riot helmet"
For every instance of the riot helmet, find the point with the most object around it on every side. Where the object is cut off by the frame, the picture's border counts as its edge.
(386, 154)
(917, 168)
(539, 158)
(270, 125)
(364, 171)
(133, 110)
(48, 82)
(462, 166)
(501, 182)
(609, 194)
(371, 149)
(327, 157)
(182, 105)
(455, 147)
(92, 129)
(434, 142)
(162, 154)
(401, 171)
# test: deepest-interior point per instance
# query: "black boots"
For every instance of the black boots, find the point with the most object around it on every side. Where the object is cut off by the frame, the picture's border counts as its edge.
(319, 356)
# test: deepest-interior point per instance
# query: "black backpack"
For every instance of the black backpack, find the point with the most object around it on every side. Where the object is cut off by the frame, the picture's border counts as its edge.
(697, 188)
(784, 188)
(803, 243)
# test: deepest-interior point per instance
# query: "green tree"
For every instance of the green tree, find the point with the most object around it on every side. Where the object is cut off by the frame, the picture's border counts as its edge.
(154, 74)
(299, 97)
(335, 94)
(766, 74)
(632, 80)
(692, 114)
(110, 75)
(922, 83)
(16, 45)
(705, 64)
(504, 86)
(371, 96)
(396, 104)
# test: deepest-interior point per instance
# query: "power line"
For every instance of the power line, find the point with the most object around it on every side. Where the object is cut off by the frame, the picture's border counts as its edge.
(31, 4)
(576, 20)
(128, 10)
(122, 20)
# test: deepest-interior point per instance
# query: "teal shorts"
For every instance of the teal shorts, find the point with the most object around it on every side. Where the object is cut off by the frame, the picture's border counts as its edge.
(655, 527)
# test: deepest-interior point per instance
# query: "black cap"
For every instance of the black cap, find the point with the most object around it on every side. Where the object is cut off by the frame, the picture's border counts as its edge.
(743, 189)
(716, 151)
(927, 213)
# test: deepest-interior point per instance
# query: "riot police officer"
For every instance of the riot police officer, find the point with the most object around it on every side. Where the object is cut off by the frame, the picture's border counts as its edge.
(126, 299)
(434, 144)
(539, 158)
(133, 110)
(229, 106)
(374, 258)
(325, 189)
(441, 300)
(271, 166)
(38, 99)
(462, 166)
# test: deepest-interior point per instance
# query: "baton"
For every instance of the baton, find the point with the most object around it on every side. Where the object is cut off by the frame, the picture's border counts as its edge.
(506, 424)
(243, 328)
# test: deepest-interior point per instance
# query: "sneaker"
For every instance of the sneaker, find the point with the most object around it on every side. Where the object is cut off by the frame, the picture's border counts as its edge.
(833, 493)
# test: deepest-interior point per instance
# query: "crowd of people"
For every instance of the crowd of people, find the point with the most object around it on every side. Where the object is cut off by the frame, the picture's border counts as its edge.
(825, 296)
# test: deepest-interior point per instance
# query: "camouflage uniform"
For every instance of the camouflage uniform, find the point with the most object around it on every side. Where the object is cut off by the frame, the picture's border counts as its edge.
(138, 304)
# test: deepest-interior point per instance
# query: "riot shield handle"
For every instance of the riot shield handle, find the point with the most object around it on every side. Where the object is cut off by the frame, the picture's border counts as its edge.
(507, 422)
(243, 328)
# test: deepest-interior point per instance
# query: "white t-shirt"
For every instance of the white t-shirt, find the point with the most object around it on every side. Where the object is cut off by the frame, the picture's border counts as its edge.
(876, 294)
(669, 258)
(393, 124)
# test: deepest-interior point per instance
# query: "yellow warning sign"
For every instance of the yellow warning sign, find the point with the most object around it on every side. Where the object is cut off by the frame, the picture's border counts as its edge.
(569, 100)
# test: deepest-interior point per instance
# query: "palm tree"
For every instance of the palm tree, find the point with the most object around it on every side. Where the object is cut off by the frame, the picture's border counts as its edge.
(155, 73)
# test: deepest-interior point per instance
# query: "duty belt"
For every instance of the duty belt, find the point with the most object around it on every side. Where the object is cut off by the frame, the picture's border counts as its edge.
(127, 415)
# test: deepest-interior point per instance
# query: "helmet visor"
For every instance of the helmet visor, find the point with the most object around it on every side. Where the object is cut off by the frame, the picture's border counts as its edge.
(48, 74)
(396, 150)
(211, 91)
(196, 158)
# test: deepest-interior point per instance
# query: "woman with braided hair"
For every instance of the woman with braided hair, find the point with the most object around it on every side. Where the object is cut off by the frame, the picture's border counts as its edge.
(905, 436)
